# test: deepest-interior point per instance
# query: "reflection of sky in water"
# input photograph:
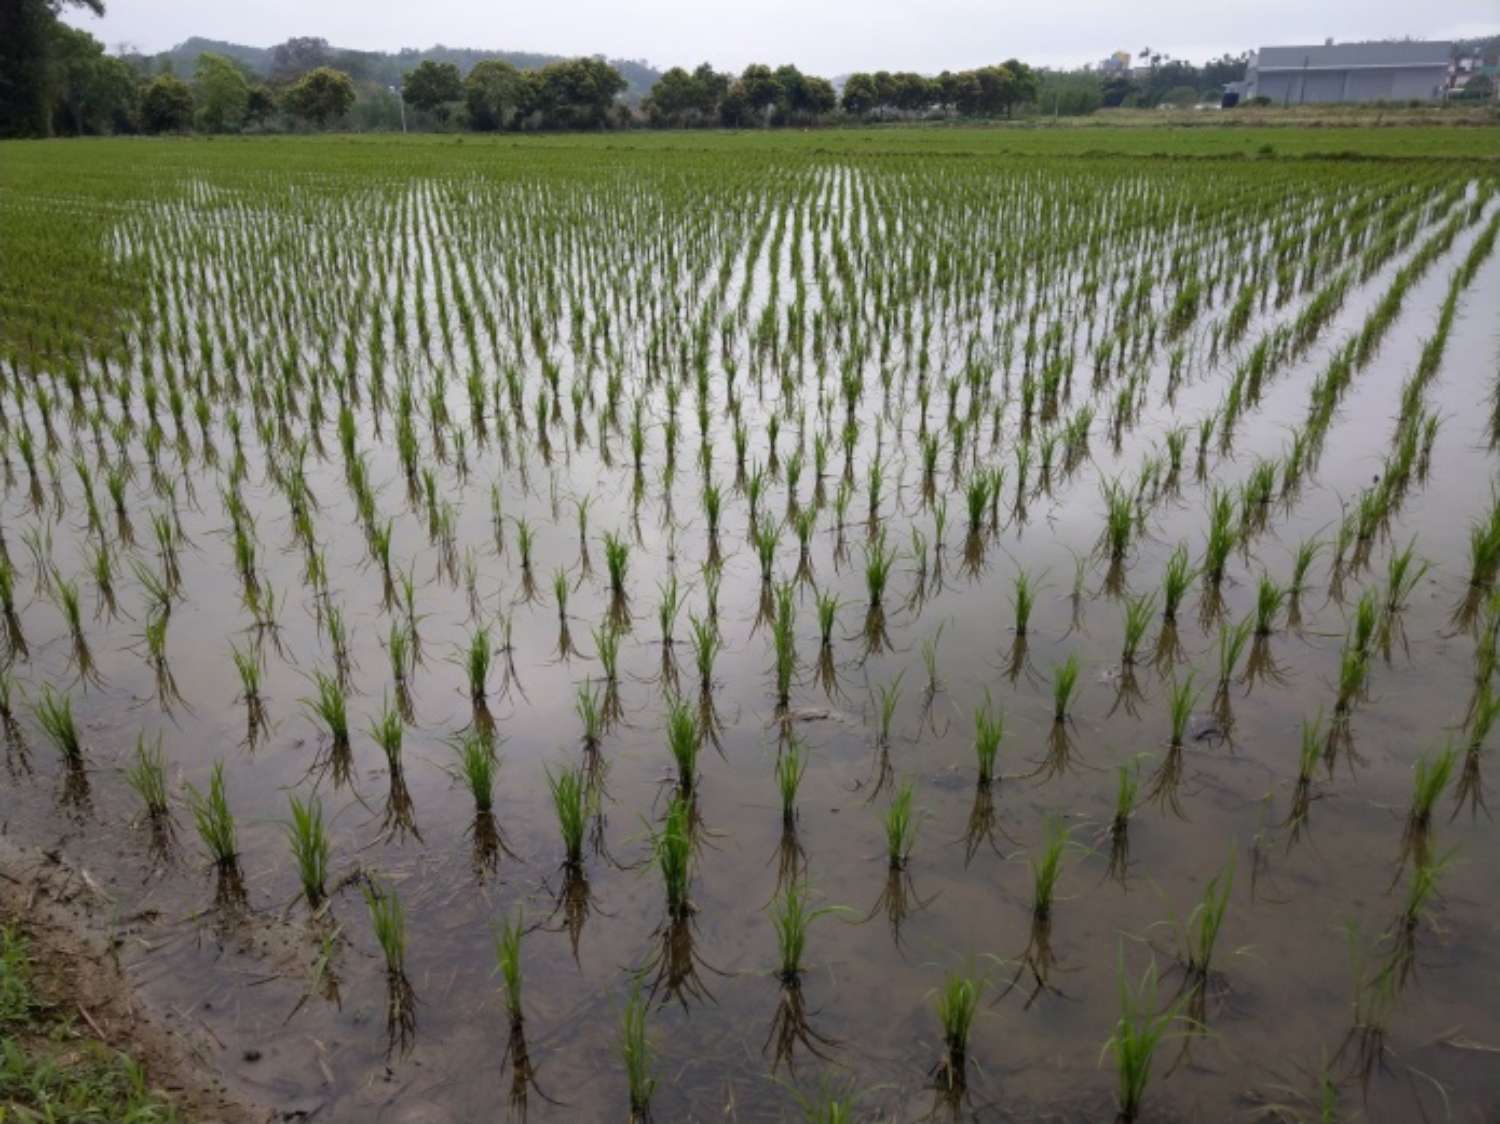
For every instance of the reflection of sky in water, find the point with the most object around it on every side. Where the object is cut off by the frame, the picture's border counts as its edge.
(1283, 955)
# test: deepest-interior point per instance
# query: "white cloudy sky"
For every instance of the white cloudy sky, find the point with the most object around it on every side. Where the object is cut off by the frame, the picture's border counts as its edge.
(822, 36)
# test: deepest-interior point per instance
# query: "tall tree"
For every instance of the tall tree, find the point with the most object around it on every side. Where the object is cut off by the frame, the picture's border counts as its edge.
(494, 92)
(861, 94)
(167, 106)
(759, 87)
(298, 56)
(321, 96)
(433, 87)
(221, 94)
(27, 54)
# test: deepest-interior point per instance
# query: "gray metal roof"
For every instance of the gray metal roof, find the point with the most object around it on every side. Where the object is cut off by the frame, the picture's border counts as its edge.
(1354, 55)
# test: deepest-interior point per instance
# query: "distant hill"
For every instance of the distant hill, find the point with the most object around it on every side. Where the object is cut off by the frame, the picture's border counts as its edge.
(377, 67)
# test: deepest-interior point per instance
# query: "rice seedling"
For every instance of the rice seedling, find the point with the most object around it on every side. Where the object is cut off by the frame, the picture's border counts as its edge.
(388, 921)
(1422, 890)
(791, 765)
(1269, 597)
(1139, 1032)
(900, 826)
(1046, 866)
(1353, 672)
(1181, 699)
(1221, 535)
(667, 608)
(1127, 791)
(1022, 599)
(684, 740)
(508, 961)
(1307, 550)
(310, 847)
(247, 666)
(1430, 777)
(1119, 518)
(1402, 576)
(214, 821)
(330, 707)
(54, 714)
(1484, 549)
(1232, 641)
(1139, 613)
(1470, 786)
(879, 560)
(792, 915)
(1200, 931)
(1179, 574)
(887, 695)
(477, 765)
(478, 658)
(957, 1003)
(1312, 747)
(1064, 686)
(571, 803)
(1366, 618)
(617, 560)
(977, 500)
(147, 777)
(828, 608)
(70, 604)
(989, 728)
(784, 645)
(672, 846)
(638, 1055)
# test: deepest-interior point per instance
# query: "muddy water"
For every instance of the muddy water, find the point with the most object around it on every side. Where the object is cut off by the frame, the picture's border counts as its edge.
(1280, 1004)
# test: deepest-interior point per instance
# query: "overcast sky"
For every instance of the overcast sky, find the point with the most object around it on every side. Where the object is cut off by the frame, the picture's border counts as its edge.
(827, 37)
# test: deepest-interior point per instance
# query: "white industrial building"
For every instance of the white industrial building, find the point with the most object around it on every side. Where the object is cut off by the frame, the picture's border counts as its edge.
(1349, 72)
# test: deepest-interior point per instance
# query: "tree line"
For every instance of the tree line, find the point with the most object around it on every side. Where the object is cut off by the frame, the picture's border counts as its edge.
(55, 79)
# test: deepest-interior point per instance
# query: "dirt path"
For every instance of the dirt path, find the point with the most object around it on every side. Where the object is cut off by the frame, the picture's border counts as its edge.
(70, 923)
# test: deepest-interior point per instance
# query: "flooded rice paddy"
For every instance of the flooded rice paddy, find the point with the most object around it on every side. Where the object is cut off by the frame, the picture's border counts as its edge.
(1054, 597)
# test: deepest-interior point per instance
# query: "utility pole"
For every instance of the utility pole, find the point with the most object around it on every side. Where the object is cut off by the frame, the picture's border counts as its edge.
(400, 101)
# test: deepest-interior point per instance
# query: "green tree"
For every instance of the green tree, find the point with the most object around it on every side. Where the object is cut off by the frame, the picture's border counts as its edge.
(734, 107)
(88, 92)
(818, 96)
(1479, 88)
(221, 94)
(260, 105)
(950, 89)
(711, 88)
(759, 88)
(167, 106)
(576, 94)
(28, 84)
(1020, 88)
(1069, 93)
(1117, 91)
(914, 92)
(673, 99)
(861, 95)
(298, 56)
(433, 87)
(494, 92)
(321, 96)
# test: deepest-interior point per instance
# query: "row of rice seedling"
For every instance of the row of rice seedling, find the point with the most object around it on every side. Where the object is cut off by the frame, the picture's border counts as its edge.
(500, 416)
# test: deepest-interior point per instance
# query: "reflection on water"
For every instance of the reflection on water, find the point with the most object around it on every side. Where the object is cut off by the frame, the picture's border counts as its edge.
(536, 458)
